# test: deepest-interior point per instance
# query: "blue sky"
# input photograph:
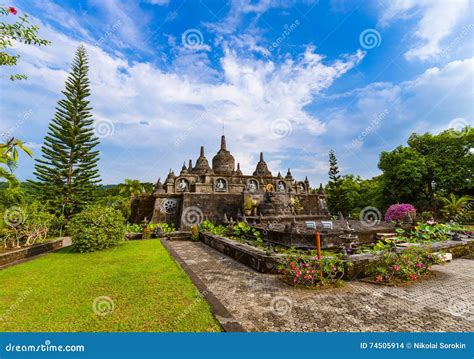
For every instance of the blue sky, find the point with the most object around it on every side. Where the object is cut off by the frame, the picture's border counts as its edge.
(292, 79)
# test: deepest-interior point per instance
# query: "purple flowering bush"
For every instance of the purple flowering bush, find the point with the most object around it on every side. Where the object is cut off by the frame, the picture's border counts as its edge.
(400, 212)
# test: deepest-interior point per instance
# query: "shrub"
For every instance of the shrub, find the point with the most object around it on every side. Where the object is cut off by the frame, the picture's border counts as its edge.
(400, 212)
(96, 228)
(408, 265)
(208, 226)
(165, 227)
(27, 225)
(306, 271)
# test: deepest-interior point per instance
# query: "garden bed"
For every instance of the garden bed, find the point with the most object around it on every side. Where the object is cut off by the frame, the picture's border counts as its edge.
(362, 264)
(430, 275)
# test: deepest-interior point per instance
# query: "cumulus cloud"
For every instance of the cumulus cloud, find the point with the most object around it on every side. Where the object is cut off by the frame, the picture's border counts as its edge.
(365, 121)
(248, 96)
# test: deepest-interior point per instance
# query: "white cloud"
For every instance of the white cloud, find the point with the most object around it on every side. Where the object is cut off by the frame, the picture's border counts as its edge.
(381, 116)
(436, 21)
(248, 96)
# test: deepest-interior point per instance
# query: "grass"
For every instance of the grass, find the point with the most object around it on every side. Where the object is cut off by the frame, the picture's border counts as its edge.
(56, 292)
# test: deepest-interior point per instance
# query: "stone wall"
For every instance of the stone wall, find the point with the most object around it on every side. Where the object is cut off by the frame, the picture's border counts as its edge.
(10, 257)
(142, 207)
(209, 206)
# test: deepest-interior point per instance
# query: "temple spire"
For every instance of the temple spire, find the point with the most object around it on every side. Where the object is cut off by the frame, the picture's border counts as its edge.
(223, 144)
(261, 156)
(202, 151)
(190, 167)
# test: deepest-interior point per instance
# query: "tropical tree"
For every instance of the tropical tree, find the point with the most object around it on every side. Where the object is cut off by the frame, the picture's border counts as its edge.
(19, 31)
(453, 205)
(131, 188)
(430, 164)
(67, 172)
(11, 33)
(336, 194)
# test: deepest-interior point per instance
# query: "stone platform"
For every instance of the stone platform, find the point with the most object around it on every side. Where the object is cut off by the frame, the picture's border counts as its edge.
(261, 302)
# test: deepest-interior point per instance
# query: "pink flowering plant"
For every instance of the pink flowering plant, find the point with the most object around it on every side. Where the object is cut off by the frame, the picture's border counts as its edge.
(407, 265)
(400, 212)
(299, 270)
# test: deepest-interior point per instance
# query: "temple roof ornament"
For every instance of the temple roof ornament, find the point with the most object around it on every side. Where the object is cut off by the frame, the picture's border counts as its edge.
(184, 170)
(288, 175)
(190, 166)
(202, 166)
(171, 177)
(238, 172)
(262, 169)
(321, 189)
(223, 162)
(158, 188)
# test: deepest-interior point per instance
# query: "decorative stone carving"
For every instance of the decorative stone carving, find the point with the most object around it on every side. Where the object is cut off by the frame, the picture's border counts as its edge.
(182, 185)
(220, 185)
(252, 185)
(281, 186)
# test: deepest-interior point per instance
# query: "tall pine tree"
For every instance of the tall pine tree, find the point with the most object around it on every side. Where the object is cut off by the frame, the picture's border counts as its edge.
(67, 172)
(336, 195)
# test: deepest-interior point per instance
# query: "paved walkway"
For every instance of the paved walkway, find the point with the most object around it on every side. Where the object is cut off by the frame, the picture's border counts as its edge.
(261, 302)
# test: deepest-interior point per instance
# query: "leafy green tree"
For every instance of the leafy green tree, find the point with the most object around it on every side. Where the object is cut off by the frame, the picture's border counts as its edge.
(336, 195)
(430, 164)
(404, 175)
(9, 158)
(131, 188)
(67, 172)
(10, 33)
(19, 31)
(361, 193)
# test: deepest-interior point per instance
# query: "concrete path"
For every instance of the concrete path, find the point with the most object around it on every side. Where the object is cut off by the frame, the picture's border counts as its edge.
(261, 302)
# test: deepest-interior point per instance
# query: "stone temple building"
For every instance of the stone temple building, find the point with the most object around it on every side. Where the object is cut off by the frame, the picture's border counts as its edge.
(221, 191)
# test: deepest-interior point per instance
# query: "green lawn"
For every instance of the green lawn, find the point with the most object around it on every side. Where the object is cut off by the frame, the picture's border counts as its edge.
(148, 289)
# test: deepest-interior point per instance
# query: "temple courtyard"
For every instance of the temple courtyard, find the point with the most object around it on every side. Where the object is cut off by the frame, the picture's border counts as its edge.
(262, 302)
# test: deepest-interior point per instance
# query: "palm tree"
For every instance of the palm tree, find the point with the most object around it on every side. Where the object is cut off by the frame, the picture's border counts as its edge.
(453, 206)
(131, 187)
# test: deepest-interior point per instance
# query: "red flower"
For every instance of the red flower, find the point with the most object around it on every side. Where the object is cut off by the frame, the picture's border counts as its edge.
(420, 265)
(12, 10)
(413, 277)
(378, 278)
(395, 267)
